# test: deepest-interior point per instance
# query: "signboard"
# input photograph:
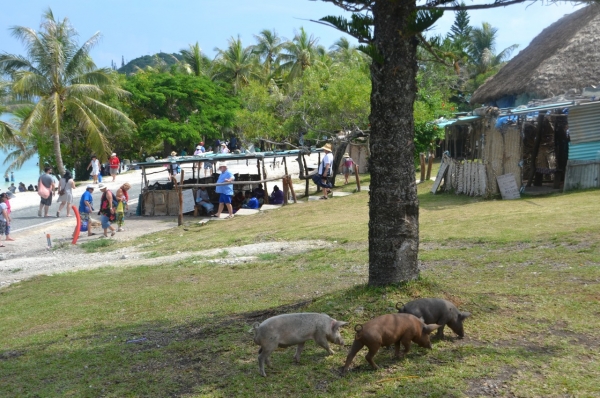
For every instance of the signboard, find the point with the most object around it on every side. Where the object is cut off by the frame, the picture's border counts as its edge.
(508, 186)
(188, 200)
(440, 177)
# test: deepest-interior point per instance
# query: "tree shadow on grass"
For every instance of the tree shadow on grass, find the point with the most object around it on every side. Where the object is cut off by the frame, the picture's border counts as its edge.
(215, 355)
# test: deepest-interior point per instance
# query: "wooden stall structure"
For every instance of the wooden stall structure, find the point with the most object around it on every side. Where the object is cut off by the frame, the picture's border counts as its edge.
(174, 197)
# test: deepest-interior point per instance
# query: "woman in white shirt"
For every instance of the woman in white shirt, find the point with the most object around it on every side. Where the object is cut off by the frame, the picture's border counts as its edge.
(65, 192)
(95, 166)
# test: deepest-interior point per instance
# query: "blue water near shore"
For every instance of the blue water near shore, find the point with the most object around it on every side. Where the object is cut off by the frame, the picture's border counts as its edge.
(28, 174)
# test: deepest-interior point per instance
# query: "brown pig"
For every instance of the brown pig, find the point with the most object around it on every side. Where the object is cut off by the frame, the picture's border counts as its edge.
(386, 330)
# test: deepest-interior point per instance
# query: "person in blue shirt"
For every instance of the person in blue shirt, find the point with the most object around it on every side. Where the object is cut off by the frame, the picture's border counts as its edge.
(225, 191)
(252, 203)
(86, 207)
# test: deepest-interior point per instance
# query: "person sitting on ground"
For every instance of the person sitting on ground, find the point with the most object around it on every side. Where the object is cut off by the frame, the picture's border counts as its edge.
(276, 197)
(247, 197)
(347, 167)
(252, 203)
(22, 187)
(30, 188)
(203, 199)
(225, 191)
(86, 208)
(237, 201)
(259, 193)
(12, 188)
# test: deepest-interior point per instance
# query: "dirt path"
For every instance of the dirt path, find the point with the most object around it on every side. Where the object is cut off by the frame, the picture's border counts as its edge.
(29, 256)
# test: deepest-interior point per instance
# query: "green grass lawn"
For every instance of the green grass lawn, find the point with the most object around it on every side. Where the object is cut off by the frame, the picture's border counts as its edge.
(527, 270)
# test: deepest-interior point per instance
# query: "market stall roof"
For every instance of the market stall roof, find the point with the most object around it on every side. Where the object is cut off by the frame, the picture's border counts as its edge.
(224, 157)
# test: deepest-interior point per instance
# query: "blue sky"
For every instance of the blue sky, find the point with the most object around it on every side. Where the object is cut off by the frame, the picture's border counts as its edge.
(133, 28)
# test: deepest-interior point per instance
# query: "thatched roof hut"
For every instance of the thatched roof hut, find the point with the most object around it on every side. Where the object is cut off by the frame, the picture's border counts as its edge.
(565, 56)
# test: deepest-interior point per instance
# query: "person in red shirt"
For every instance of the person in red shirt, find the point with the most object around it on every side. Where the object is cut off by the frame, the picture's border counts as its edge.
(114, 163)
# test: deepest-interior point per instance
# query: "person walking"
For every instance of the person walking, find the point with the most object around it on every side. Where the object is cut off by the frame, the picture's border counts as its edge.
(114, 164)
(6, 230)
(321, 179)
(225, 191)
(347, 168)
(4, 217)
(122, 200)
(107, 210)
(95, 166)
(46, 191)
(86, 207)
(65, 193)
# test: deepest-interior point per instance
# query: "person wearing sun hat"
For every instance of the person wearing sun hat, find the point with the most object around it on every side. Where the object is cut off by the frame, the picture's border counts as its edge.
(225, 191)
(114, 164)
(224, 148)
(323, 175)
(347, 166)
(86, 206)
(107, 210)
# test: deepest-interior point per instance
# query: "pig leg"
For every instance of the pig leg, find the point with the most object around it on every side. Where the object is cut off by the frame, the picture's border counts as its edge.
(406, 343)
(440, 331)
(356, 347)
(298, 352)
(264, 357)
(321, 340)
(369, 357)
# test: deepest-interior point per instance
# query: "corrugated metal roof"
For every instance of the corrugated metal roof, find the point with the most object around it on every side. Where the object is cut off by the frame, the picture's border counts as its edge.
(584, 151)
(584, 123)
(547, 107)
(462, 120)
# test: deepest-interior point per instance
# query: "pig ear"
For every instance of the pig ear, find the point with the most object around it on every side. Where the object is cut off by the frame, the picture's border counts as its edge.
(430, 328)
(339, 324)
(464, 315)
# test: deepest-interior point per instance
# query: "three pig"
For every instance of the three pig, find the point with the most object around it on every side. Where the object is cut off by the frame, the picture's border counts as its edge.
(414, 322)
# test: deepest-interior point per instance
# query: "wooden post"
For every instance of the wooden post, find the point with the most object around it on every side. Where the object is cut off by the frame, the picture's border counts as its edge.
(357, 177)
(319, 165)
(422, 159)
(291, 187)
(284, 182)
(285, 166)
(180, 193)
(266, 201)
(429, 166)
(305, 174)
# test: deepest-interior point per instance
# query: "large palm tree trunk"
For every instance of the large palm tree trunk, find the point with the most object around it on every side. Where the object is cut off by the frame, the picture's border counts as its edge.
(394, 207)
(58, 153)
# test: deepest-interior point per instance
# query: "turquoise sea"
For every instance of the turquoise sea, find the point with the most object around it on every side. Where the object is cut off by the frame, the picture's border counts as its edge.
(28, 174)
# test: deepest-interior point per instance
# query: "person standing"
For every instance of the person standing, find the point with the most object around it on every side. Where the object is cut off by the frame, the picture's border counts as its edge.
(86, 207)
(122, 200)
(114, 164)
(347, 168)
(200, 152)
(225, 191)
(6, 179)
(46, 191)
(12, 176)
(4, 217)
(321, 179)
(107, 210)
(6, 230)
(95, 166)
(65, 193)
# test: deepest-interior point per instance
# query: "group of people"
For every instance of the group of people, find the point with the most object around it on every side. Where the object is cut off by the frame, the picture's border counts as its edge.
(114, 164)
(112, 208)
(22, 188)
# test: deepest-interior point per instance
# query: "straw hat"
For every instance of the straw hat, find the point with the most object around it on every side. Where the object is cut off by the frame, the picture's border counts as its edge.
(221, 164)
(198, 147)
(101, 186)
(327, 147)
(173, 153)
(346, 155)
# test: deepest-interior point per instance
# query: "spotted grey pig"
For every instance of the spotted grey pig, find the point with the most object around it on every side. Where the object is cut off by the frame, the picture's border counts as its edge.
(439, 311)
(295, 329)
(386, 330)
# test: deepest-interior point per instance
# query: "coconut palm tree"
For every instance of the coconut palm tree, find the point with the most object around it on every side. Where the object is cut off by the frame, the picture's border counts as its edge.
(268, 47)
(194, 62)
(234, 64)
(343, 51)
(301, 53)
(60, 78)
(482, 47)
(8, 132)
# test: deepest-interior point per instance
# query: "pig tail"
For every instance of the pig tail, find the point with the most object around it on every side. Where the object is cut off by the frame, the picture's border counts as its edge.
(399, 306)
(357, 329)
